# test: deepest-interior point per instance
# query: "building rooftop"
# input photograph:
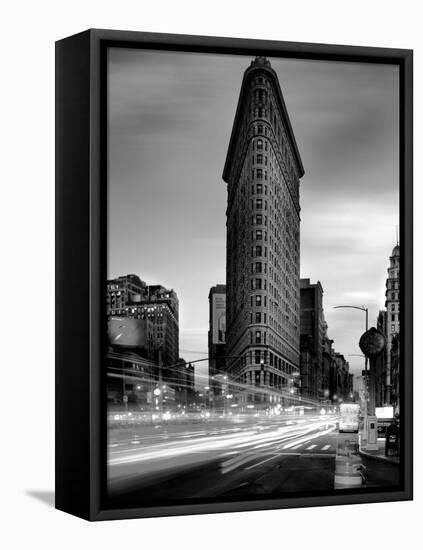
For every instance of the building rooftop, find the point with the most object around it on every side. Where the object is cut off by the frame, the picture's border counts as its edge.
(396, 250)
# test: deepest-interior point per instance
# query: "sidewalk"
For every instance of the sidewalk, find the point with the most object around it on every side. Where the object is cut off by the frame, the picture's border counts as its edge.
(380, 454)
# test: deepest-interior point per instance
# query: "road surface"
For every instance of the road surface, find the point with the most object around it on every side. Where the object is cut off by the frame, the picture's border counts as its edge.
(230, 459)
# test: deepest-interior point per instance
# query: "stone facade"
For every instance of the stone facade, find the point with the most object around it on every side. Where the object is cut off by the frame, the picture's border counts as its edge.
(128, 296)
(312, 332)
(392, 305)
(262, 171)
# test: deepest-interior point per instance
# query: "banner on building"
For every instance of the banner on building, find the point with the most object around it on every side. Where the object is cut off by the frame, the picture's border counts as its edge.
(127, 332)
(219, 319)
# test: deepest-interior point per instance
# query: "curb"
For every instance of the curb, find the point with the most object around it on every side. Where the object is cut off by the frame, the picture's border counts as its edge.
(380, 458)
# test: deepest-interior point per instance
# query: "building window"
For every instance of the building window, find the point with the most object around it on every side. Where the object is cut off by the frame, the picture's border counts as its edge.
(258, 317)
(258, 337)
(260, 129)
(259, 188)
(259, 174)
(258, 284)
(258, 300)
(258, 250)
(259, 159)
(257, 267)
(259, 203)
(257, 356)
(259, 144)
(259, 234)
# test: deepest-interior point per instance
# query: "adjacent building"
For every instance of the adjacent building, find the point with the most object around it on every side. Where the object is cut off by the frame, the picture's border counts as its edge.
(154, 311)
(385, 375)
(392, 306)
(341, 383)
(262, 171)
(312, 333)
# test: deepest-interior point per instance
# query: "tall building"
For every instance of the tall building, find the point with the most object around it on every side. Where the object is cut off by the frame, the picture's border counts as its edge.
(377, 372)
(392, 305)
(262, 171)
(395, 373)
(217, 329)
(312, 332)
(342, 380)
(327, 362)
(128, 296)
(120, 292)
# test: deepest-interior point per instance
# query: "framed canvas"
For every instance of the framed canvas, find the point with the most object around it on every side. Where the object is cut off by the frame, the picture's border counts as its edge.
(234, 274)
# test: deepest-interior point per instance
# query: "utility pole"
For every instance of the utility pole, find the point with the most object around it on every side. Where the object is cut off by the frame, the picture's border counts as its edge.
(366, 391)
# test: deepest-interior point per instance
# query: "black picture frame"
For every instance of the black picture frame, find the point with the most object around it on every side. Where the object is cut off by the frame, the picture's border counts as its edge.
(81, 162)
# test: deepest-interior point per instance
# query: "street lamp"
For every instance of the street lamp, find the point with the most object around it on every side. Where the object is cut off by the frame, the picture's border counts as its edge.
(365, 309)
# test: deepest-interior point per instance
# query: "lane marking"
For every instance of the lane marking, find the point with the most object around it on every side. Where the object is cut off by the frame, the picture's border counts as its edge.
(309, 448)
(232, 464)
(326, 447)
(262, 462)
(308, 438)
(297, 446)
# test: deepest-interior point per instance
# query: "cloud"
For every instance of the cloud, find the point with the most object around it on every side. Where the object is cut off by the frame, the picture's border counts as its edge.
(170, 118)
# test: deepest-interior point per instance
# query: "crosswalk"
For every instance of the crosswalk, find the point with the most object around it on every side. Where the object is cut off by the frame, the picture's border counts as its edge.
(253, 459)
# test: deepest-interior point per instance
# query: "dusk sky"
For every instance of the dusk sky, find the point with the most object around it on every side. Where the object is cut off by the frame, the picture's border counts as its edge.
(170, 118)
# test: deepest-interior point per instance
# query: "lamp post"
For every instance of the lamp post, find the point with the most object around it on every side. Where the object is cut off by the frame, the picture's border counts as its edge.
(365, 309)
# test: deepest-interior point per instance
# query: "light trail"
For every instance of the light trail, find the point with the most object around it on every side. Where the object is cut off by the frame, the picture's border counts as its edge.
(243, 442)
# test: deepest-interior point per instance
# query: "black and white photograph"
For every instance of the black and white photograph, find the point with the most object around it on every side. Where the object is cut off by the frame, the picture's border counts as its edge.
(253, 278)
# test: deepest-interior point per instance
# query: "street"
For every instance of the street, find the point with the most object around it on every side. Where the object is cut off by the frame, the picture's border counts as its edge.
(231, 458)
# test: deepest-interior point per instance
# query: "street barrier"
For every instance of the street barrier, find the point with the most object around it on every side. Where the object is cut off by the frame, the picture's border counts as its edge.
(349, 470)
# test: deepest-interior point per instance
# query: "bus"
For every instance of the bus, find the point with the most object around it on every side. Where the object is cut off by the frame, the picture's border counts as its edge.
(349, 417)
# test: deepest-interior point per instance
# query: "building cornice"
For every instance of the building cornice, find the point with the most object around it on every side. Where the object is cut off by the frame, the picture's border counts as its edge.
(249, 74)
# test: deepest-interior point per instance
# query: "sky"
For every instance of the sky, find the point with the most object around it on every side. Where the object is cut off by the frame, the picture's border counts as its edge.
(170, 116)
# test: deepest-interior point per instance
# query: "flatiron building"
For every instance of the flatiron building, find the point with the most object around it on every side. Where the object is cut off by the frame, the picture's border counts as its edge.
(262, 172)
